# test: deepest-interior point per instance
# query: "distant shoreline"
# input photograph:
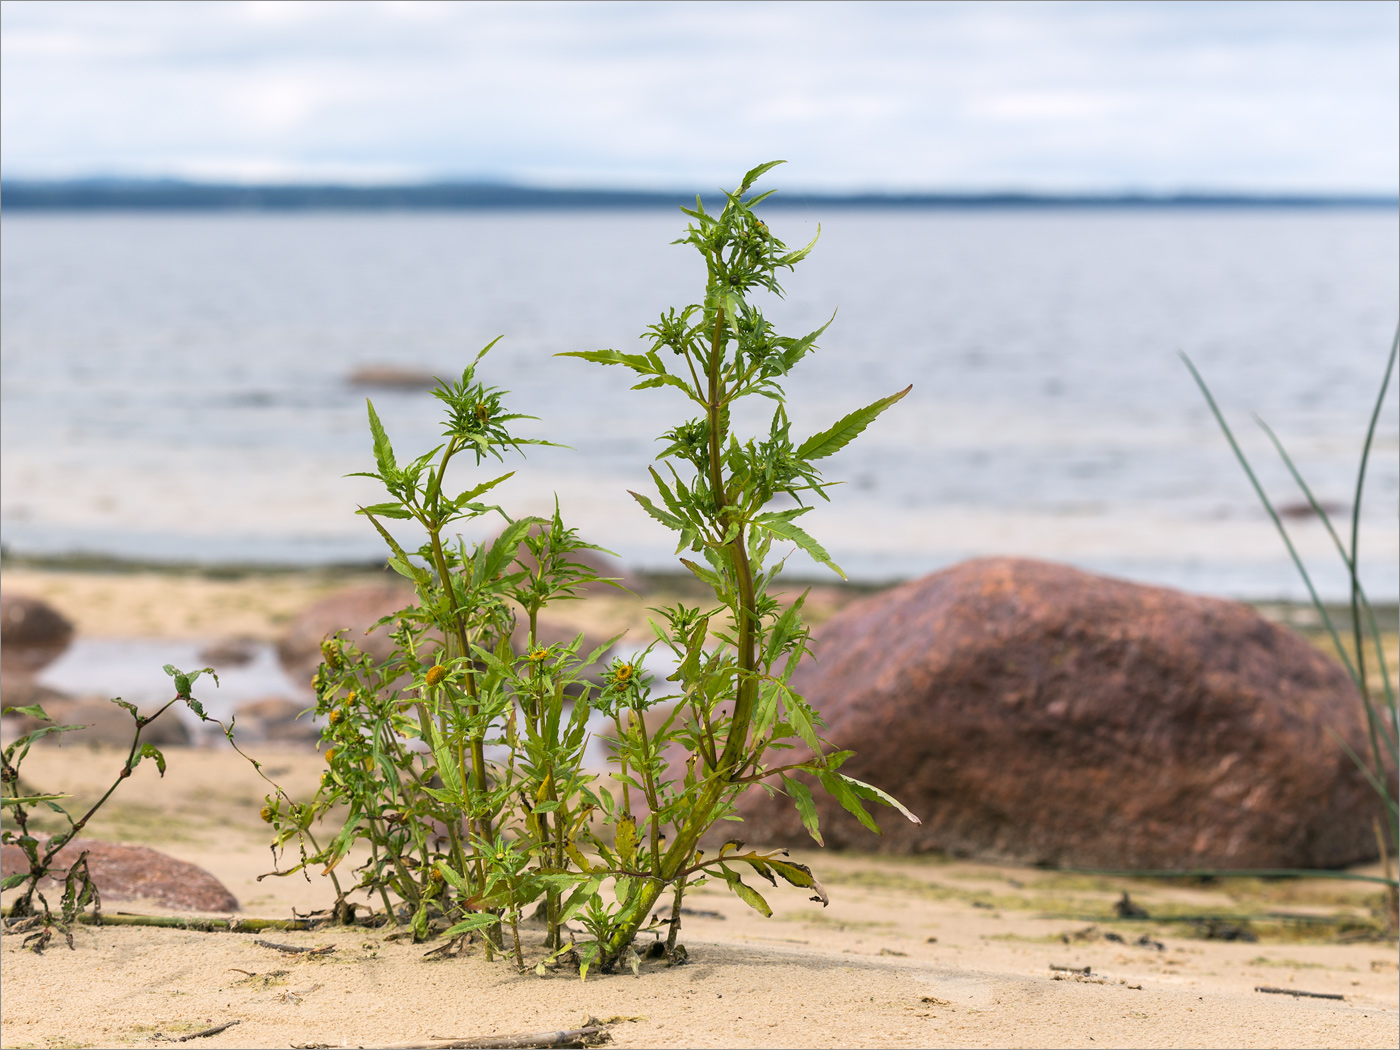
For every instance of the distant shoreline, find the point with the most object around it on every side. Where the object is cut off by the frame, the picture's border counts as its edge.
(87, 195)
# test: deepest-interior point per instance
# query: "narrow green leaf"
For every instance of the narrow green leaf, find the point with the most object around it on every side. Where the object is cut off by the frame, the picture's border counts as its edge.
(800, 875)
(754, 174)
(479, 921)
(873, 793)
(387, 510)
(788, 531)
(383, 450)
(578, 899)
(806, 806)
(674, 524)
(837, 787)
(751, 897)
(454, 879)
(846, 429)
(151, 751)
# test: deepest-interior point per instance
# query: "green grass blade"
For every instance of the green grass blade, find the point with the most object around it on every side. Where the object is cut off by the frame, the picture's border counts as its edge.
(1273, 514)
(1373, 720)
(1356, 506)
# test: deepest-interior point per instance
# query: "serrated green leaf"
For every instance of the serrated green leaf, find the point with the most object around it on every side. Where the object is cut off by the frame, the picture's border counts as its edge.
(454, 879)
(750, 896)
(386, 510)
(672, 523)
(34, 710)
(873, 793)
(754, 174)
(800, 717)
(846, 429)
(383, 450)
(837, 787)
(479, 921)
(578, 899)
(800, 875)
(788, 531)
(625, 840)
(485, 486)
(151, 751)
(806, 806)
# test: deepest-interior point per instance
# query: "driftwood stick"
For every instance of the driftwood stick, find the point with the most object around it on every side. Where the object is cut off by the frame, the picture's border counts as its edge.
(1295, 992)
(1070, 969)
(292, 949)
(590, 1034)
(206, 1033)
(179, 922)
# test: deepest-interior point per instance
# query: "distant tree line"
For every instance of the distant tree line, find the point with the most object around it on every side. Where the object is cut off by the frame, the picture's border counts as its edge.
(175, 195)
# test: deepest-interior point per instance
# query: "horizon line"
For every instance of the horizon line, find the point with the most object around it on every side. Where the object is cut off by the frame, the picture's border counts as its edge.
(110, 193)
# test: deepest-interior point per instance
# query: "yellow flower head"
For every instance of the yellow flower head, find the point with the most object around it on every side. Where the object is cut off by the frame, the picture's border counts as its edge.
(622, 674)
(267, 814)
(330, 754)
(435, 676)
(337, 716)
(538, 655)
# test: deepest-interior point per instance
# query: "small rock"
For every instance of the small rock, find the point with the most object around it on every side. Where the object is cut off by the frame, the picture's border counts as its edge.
(276, 718)
(32, 634)
(230, 652)
(393, 377)
(125, 872)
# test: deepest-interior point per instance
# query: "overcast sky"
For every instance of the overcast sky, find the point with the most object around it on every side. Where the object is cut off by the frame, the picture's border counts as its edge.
(1042, 95)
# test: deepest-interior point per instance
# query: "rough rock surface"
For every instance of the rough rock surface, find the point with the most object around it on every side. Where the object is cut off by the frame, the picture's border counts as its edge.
(32, 634)
(353, 610)
(125, 872)
(1034, 713)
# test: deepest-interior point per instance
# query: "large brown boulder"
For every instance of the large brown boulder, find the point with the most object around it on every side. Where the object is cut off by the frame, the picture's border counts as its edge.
(32, 634)
(1034, 713)
(125, 872)
(354, 610)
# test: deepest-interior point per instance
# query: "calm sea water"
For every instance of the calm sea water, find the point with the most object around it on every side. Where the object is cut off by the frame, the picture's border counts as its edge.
(176, 386)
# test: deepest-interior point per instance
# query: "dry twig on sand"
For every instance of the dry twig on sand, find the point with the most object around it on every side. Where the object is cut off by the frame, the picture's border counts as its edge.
(1294, 992)
(292, 949)
(594, 1033)
(206, 1033)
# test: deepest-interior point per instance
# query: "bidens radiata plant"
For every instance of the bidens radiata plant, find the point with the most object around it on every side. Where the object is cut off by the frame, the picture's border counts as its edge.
(459, 761)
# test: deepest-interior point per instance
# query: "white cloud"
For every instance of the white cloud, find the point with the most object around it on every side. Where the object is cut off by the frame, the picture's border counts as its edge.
(897, 95)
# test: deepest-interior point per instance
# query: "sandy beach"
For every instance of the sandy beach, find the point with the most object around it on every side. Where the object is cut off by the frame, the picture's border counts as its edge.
(917, 951)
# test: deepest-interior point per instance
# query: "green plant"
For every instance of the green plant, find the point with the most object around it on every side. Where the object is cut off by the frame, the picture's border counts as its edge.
(79, 890)
(734, 711)
(465, 841)
(1350, 640)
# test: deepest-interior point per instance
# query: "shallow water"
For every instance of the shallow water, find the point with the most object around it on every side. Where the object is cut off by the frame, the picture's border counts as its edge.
(175, 387)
